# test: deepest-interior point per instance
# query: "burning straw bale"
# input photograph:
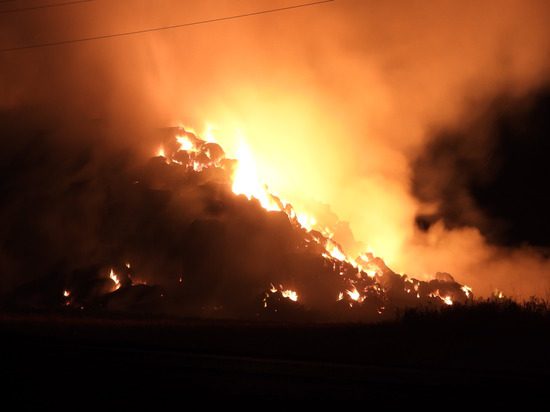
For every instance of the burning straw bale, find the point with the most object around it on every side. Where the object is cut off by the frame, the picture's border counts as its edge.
(189, 232)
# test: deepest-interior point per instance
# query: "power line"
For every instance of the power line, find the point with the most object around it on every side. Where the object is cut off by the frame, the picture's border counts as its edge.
(43, 6)
(175, 26)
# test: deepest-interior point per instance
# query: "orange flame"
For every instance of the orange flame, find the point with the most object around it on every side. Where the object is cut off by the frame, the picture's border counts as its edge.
(354, 295)
(447, 300)
(467, 290)
(114, 277)
(286, 293)
(290, 294)
(246, 181)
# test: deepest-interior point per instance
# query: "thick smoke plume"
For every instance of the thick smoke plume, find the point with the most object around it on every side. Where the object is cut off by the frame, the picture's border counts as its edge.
(337, 102)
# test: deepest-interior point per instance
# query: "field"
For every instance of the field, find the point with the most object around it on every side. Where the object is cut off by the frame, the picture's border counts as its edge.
(496, 349)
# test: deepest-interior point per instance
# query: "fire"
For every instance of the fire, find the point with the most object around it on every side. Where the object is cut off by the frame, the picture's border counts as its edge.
(114, 277)
(498, 294)
(306, 221)
(209, 133)
(290, 294)
(246, 182)
(354, 294)
(365, 263)
(286, 293)
(334, 250)
(186, 144)
(365, 273)
(66, 293)
(447, 300)
(467, 290)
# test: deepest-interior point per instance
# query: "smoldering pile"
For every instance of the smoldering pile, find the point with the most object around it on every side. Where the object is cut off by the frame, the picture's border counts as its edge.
(169, 236)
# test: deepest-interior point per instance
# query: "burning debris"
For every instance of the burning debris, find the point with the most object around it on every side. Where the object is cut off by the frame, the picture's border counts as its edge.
(206, 238)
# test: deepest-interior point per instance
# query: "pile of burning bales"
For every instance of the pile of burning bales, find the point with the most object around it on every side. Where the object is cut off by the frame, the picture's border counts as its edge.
(191, 233)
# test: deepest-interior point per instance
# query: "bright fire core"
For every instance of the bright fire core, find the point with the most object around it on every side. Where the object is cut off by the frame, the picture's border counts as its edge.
(245, 181)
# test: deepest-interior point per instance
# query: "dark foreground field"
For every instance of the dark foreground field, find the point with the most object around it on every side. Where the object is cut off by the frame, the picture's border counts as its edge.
(498, 351)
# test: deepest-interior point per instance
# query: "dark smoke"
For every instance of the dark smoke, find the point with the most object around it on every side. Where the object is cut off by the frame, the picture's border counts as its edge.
(492, 174)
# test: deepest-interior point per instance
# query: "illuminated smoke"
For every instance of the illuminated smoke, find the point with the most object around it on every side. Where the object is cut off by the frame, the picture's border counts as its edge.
(335, 103)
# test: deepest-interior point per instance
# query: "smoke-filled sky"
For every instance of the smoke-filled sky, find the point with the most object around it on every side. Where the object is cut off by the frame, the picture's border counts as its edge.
(413, 121)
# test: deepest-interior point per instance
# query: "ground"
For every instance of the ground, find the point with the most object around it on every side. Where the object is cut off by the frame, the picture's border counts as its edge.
(456, 355)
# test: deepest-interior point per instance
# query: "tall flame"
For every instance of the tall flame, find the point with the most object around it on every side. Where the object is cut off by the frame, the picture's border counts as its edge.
(114, 277)
(246, 181)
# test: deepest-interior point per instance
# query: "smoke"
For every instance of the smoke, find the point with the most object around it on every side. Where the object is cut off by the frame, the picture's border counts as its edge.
(337, 102)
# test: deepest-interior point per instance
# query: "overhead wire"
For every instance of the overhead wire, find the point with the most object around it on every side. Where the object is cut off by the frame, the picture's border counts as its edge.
(42, 6)
(162, 28)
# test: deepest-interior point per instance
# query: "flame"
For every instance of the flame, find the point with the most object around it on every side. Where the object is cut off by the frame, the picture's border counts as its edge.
(290, 294)
(447, 300)
(246, 181)
(286, 293)
(186, 144)
(467, 290)
(334, 250)
(161, 152)
(306, 221)
(114, 277)
(66, 293)
(355, 295)
(365, 263)
(209, 133)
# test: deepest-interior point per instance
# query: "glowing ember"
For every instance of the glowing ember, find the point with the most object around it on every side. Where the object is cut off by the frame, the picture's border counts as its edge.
(114, 277)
